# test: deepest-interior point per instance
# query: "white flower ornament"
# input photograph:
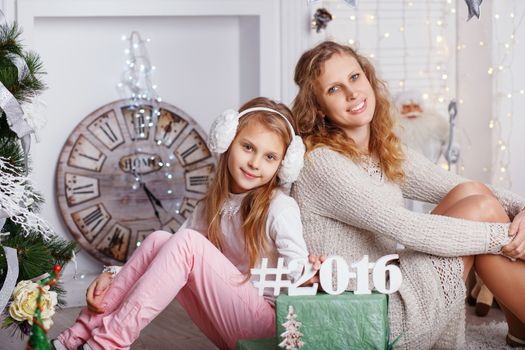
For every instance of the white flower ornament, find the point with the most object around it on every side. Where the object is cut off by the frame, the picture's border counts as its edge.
(293, 161)
(223, 130)
(24, 303)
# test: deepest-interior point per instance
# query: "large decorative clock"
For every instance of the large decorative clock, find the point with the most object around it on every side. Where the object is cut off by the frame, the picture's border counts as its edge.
(121, 176)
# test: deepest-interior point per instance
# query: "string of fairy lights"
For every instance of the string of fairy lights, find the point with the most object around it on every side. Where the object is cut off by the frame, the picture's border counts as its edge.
(505, 90)
(409, 41)
(384, 31)
(136, 84)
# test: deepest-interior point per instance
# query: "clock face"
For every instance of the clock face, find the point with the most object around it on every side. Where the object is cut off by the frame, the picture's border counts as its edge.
(120, 176)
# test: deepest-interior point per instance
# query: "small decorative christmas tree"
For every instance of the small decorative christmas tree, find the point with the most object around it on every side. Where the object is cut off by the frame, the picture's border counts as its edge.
(292, 336)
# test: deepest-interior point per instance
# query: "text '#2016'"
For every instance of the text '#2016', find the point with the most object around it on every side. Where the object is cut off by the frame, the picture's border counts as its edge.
(386, 277)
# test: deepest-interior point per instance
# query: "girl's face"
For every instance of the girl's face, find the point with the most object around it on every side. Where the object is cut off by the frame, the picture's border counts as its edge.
(345, 94)
(254, 158)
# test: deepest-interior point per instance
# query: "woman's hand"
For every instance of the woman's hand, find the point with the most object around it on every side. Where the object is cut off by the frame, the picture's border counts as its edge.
(316, 262)
(96, 292)
(516, 248)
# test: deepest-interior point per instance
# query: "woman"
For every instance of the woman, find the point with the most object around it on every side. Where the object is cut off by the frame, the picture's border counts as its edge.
(351, 191)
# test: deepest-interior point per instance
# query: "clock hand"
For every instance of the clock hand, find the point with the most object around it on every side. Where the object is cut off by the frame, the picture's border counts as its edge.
(148, 193)
(152, 196)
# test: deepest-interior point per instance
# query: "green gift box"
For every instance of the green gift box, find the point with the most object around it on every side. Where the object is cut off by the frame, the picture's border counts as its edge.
(344, 321)
(257, 344)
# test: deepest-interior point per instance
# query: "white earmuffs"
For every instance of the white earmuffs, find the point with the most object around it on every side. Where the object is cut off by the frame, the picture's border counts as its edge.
(224, 128)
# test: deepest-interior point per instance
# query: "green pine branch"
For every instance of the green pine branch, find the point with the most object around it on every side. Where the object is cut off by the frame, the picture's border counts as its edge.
(28, 87)
(36, 255)
(9, 38)
(11, 150)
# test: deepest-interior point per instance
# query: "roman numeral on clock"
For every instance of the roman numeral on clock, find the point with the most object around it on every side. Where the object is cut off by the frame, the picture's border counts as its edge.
(80, 188)
(137, 121)
(106, 130)
(197, 180)
(95, 216)
(86, 155)
(169, 127)
(116, 242)
(187, 206)
(86, 189)
(141, 236)
(188, 152)
(171, 226)
(192, 149)
(91, 221)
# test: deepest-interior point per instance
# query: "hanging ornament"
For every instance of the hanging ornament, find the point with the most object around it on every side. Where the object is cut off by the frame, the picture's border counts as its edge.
(136, 85)
(136, 79)
(352, 3)
(11, 258)
(473, 8)
(321, 19)
(452, 152)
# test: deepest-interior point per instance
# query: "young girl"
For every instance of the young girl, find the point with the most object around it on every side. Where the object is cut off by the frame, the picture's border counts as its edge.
(351, 191)
(205, 265)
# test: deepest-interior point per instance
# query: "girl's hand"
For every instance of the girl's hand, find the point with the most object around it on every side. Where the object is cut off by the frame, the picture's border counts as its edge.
(96, 292)
(316, 262)
(516, 247)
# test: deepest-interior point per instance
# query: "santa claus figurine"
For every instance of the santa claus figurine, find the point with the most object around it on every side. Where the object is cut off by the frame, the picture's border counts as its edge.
(421, 129)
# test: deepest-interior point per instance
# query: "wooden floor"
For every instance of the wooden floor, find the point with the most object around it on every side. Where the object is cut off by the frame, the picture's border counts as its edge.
(173, 329)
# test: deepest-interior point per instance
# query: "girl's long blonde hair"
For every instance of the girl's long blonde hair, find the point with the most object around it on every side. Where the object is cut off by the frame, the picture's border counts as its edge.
(319, 131)
(254, 207)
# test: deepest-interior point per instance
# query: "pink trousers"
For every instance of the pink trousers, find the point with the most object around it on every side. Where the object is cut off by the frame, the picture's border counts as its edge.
(185, 266)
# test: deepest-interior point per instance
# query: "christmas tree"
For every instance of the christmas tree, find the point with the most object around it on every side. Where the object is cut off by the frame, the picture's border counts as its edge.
(292, 336)
(27, 243)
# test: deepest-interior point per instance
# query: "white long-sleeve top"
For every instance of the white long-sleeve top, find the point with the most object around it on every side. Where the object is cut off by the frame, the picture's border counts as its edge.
(284, 232)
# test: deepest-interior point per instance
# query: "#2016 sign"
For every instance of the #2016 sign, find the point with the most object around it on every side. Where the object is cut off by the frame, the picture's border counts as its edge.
(381, 272)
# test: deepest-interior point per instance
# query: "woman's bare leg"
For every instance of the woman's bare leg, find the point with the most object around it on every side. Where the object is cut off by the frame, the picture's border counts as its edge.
(506, 279)
(472, 201)
(460, 192)
(516, 331)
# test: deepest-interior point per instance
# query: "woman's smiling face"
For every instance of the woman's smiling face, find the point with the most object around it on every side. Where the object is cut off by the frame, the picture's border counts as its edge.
(345, 94)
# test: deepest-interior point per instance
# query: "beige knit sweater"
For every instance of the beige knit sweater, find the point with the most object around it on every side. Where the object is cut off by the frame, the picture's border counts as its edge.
(350, 209)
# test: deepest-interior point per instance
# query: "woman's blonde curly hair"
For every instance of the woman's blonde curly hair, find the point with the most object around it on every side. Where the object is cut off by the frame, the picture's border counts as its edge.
(318, 131)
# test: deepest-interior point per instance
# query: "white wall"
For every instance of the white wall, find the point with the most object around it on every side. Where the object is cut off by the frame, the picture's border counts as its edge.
(508, 111)
(94, 51)
(474, 91)
(478, 91)
(204, 52)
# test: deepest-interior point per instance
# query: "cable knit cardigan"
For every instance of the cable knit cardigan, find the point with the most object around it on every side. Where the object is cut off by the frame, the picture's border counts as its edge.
(350, 209)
